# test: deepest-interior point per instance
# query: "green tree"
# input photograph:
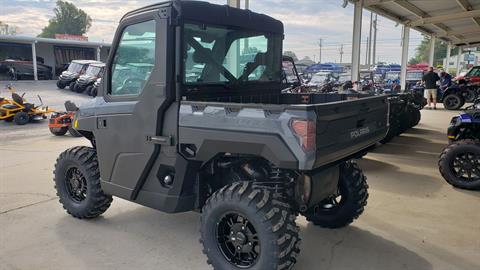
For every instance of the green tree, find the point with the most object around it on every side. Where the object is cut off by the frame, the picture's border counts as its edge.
(423, 52)
(291, 54)
(68, 19)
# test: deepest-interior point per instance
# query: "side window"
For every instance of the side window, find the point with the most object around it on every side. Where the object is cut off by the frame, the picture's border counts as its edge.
(134, 59)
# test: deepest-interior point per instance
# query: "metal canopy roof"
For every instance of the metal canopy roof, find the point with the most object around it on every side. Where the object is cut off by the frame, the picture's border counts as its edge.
(454, 21)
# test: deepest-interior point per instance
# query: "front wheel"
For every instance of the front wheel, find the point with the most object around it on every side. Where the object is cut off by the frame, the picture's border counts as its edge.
(246, 227)
(71, 86)
(459, 164)
(60, 85)
(77, 181)
(343, 207)
(453, 102)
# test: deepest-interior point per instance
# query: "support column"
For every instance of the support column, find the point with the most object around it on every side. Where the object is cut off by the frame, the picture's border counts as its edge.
(369, 43)
(99, 48)
(449, 50)
(405, 43)
(431, 58)
(34, 61)
(357, 39)
(234, 3)
(460, 50)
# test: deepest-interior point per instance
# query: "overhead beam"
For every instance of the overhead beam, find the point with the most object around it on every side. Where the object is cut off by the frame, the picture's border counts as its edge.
(411, 8)
(465, 5)
(369, 3)
(444, 18)
(464, 31)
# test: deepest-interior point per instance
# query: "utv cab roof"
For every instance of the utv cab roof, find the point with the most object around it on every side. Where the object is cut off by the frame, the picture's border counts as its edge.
(199, 11)
(100, 65)
(86, 62)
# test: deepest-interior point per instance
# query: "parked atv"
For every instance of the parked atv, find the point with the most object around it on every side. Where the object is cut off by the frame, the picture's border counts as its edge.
(62, 122)
(75, 69)
(459, 162)
(453, 97)
(85, 82)
(231, 147)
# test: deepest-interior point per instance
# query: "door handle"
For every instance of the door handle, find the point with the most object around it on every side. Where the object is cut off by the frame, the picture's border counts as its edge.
(163, 140)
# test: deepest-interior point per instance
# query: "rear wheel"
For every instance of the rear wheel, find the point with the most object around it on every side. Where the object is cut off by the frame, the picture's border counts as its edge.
(94, 92)
(59, 131)
(21, 118)
(453, 102)
(77, 181)
(246, 227)
(459, 164)
(347, 204)
(469, 95)
(416, 117)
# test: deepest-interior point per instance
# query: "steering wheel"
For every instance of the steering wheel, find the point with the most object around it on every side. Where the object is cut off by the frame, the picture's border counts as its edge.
(130, 86)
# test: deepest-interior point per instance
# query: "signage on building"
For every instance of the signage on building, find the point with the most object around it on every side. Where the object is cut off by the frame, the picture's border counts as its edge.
(470, 57)
(71, 37)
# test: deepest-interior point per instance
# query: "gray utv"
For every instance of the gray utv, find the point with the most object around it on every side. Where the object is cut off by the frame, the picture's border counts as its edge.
(190, 116)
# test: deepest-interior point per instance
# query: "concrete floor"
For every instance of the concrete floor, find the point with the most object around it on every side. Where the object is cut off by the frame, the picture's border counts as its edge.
(414, 220)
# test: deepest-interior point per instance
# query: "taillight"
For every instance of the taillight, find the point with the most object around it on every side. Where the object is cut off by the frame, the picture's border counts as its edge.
(305, 131)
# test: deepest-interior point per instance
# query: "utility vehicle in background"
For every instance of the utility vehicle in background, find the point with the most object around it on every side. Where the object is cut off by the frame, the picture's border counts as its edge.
(75, 69)
(225, 142)
(459, 162)
(86, 81)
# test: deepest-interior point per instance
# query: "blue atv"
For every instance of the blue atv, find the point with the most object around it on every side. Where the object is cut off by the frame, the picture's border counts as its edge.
(459, 162)
(453, 97)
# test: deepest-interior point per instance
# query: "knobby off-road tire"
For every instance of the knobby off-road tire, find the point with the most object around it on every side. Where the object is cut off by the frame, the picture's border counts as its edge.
(71, 86)
(59, 131)
(338, 212)
(74, 132)
(417, 116)
(240, 211)
(453, 102)
(458, 160)
(77, 181)
(61, 85)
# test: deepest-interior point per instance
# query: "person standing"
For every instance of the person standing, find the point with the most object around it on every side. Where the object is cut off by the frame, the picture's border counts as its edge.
(445, 80)
(430, 80)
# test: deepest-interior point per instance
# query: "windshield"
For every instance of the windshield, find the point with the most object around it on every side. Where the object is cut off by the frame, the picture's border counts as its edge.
(93, 71)
(75, 67)
(220, 55)
(319, 78)
(392, 76)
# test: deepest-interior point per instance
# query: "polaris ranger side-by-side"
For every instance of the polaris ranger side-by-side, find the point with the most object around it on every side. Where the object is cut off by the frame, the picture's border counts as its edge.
(75, 69)
(204, 127)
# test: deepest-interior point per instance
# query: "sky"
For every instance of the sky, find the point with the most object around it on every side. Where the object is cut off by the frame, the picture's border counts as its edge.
(306, 21)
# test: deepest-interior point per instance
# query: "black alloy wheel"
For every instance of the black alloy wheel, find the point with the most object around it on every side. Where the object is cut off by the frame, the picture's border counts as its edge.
(238, 240)
(76, 184)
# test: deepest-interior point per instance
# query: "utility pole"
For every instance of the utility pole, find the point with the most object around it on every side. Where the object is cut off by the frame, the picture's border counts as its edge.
(369, 47)
(320, 52)
(374, 51)
(366, 50)
(341, 53)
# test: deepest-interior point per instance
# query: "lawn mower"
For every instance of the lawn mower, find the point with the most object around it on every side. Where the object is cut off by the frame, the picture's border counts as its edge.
(61, 122)
(459, 162)
(20, 111)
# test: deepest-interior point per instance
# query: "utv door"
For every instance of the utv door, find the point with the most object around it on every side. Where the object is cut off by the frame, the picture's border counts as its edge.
(130, 125)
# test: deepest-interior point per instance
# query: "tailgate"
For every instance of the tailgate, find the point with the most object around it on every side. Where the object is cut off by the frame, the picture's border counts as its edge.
(348, 127)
